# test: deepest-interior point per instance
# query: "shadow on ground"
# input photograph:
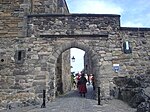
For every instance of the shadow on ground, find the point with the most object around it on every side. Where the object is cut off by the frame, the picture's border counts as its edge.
(75, 93)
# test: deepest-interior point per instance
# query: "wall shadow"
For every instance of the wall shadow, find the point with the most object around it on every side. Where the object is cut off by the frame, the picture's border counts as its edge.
(75, 93)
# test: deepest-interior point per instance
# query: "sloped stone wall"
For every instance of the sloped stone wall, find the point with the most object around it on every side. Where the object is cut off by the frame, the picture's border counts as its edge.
(49, 7)
(12, 21)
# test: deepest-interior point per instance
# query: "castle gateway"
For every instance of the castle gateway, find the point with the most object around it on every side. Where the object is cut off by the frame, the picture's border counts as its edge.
(35, 41)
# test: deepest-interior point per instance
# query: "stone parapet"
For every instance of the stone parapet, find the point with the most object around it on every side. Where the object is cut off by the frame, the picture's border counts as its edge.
(72, 24)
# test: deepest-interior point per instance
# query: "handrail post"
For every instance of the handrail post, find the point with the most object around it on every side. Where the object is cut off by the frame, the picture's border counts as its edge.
(99, 98)
(44, 99)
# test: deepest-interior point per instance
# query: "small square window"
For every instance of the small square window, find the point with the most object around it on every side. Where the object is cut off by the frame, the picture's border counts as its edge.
(20, 56)
(127, 47)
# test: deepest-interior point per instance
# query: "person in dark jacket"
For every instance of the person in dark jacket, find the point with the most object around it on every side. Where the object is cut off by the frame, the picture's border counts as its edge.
(82, 85)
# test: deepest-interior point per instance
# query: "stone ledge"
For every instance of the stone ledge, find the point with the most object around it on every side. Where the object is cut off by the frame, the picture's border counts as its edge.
(73, 36)
(73, 15)
(134, 29)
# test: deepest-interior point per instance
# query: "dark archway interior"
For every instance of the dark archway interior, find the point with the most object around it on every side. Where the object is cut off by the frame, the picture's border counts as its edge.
(59, 83)
(63, 77)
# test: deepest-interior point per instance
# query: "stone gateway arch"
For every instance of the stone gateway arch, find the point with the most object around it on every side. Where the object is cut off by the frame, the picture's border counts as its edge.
(35, 42)
(75, 44)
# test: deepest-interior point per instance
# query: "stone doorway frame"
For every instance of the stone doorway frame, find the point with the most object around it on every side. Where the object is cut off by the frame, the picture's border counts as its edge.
(73, 44)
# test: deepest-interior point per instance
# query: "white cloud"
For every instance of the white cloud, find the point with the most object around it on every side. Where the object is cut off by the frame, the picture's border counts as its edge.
(96, 7)
(132, 24)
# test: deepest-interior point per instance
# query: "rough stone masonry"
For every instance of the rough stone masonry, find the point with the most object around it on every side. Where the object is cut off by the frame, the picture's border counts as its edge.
(34, 49)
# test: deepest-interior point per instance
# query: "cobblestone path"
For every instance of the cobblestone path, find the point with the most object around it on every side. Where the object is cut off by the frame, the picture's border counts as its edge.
(73, 102)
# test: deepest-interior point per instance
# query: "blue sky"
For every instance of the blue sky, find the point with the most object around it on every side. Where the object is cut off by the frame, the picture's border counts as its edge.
(134, 13)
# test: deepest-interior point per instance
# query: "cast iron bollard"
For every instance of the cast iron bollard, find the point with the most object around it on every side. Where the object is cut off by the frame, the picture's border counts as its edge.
(44, 99)
(99, 98)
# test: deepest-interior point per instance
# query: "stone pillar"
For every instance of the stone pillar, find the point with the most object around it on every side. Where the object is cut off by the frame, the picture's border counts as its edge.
(51, 89)
(104, 85)
(105, 76)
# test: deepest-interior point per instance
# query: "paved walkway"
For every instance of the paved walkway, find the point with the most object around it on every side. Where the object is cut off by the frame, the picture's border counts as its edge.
(73, 102)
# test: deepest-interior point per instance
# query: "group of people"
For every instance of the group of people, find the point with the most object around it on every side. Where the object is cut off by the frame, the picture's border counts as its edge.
(81, 81)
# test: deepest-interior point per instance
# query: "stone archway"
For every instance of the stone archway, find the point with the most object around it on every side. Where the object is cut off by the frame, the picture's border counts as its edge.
(75, 44)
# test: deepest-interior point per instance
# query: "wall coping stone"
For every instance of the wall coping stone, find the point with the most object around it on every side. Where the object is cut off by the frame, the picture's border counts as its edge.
(73, 15)
(66, 6)
(134, 29)
(104, 36)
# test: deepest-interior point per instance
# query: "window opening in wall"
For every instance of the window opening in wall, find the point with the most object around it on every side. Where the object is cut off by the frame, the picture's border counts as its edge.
(19, 55)
(2, 60)
(127, 47)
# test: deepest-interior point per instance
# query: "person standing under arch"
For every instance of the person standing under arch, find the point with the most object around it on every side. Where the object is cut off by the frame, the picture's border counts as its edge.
(82, 85)
(93, 81)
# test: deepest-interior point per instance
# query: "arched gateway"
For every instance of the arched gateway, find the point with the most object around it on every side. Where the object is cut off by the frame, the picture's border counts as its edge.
(75, 44)
(87, 32)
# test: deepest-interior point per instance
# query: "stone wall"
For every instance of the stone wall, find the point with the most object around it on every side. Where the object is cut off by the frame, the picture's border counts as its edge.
(131, 64)
(49, 6)
(66, 71)
(63, 73)
(72, 24)
(18, 75)
(34, 71)
(100, 33)
(88, 64)
(138, 62)
(12, 21)
(13, 14)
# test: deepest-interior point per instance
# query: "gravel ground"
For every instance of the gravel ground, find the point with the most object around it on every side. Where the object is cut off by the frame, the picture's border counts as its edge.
(73, 102)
